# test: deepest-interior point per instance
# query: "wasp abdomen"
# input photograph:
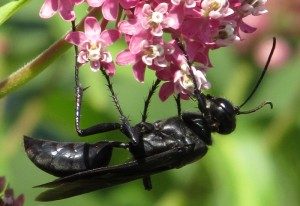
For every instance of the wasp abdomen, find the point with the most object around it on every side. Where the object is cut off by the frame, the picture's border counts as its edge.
(61, 159)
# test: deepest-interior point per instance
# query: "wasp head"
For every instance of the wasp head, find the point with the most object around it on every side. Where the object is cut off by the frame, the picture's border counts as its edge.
(220, 114)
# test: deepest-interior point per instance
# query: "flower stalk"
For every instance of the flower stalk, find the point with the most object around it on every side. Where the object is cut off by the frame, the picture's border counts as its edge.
(39, 63)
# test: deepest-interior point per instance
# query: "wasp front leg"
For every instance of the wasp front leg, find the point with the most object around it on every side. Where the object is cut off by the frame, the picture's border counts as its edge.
(95, 129)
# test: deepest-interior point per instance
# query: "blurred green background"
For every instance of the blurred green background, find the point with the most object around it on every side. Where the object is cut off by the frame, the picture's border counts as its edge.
(258, 164)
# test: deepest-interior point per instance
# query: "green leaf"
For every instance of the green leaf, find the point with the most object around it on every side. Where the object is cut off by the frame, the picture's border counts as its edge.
(10, 8)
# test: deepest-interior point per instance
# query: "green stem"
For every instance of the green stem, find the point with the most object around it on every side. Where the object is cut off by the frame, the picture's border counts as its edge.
(38, 64)
(33, 68)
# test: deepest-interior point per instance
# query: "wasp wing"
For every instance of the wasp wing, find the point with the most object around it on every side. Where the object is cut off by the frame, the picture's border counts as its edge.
(91, 180)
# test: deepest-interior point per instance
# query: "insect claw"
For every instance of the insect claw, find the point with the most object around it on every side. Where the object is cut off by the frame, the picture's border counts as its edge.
(85, 88)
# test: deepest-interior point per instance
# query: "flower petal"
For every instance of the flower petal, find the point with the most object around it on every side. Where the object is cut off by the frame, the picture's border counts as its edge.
(127, 4)
(19, 201)
(95, 3)
(126, 57)
(165, 74)
(110, 36)
(138, 42)
(49, 8)
(131, 27)
(166, 90)
(109, 68)
(110, 9)
(66, 10)
(146, 10)
(162, 8)
(82, 57)
(246, 28)
(77, 2)
(95, 65)
(77, 38)
(139, 71)
(92, 28)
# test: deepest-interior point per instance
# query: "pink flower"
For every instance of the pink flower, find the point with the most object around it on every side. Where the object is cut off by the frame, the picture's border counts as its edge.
(216, 8)
(157, 19)
(179, 80)
(2, 184)
(256, 8)
(227, 33)
(110, 8)
(92, 44)
(8, 198)
(199, 29)
(184, 83)
(64, 7)
(200, 25)
(187, 3)
(127, 58)
(144, 53)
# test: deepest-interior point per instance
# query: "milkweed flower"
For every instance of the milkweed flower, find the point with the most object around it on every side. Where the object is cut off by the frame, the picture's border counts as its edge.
(64, 7)
(154, 54)
(7, 195)
(254, 7)
(110, 8)
(92, 45)
(178, 79)
(215, 8)
(172, 38)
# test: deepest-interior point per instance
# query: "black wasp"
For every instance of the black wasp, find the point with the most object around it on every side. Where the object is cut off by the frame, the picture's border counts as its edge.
(156, 147)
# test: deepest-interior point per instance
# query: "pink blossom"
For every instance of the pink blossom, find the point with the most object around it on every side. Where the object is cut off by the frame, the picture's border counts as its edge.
(126, 57)
(199, 29)
(110, 8)
(198, 53)
(130, 26)
(156, 55)
(179, 80)
(200, 26)
(7, 195)
(2, 184)
(92, 44)
(227, 33)
(145, 53)
(255, 8)
(216, 8)
(186, 3)
(157, 19)
(184, 83)
(64, 7)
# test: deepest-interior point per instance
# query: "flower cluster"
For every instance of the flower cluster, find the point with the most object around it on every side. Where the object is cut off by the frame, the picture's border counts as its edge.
(7, 195)
(171, 37)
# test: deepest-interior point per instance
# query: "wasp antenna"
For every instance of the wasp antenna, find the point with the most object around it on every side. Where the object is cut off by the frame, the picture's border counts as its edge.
(262, 74)
(256, 108)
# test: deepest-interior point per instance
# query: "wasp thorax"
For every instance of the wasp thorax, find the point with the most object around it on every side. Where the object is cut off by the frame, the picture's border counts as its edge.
(222, 115)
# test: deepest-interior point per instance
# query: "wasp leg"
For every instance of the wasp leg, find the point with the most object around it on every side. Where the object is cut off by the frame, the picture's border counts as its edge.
(98, 128)
(136, 139)
(147, 101)
(144, 128)
(178, 104)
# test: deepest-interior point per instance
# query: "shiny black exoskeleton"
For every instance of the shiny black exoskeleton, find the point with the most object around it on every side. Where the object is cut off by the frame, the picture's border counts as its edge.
(191, 132)
(163, 145)
(167, 144)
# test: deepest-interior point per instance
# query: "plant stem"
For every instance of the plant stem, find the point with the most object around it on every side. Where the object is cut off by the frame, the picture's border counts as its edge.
(41, 62)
